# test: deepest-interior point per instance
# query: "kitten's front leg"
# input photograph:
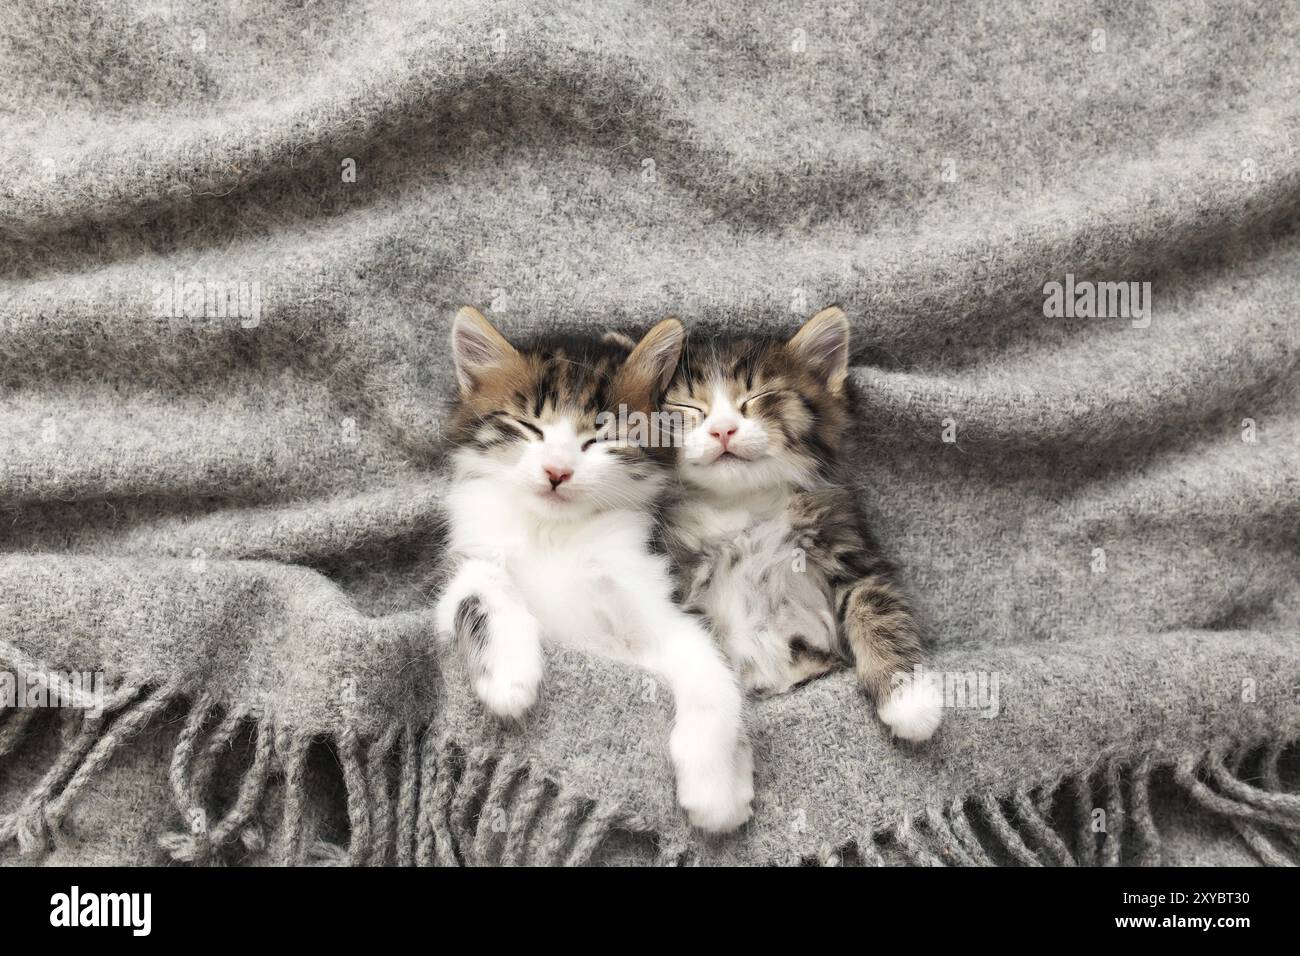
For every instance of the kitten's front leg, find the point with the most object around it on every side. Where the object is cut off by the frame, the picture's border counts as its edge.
(497, 634)
(886, 645)
(708, 746)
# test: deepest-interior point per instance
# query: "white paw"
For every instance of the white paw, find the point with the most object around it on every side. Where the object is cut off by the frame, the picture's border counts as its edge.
(718, 798)
(715, 808)
(509, 692)
(913, 711)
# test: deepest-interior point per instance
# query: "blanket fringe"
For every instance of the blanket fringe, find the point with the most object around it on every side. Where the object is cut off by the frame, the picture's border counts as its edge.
(90, 738)
(1107, 816)
(414, 798)
(970, 843)
(1264, 816)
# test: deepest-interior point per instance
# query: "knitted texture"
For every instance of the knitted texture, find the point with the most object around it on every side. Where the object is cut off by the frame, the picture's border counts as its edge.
(233, 237)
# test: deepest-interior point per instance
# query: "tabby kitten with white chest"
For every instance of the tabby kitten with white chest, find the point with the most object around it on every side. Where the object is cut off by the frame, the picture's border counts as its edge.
(770, 543)
(552, 516)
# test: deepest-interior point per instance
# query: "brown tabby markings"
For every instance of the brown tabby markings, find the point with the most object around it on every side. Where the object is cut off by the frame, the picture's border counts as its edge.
(872, 612)
(549, 381)
(805, 416)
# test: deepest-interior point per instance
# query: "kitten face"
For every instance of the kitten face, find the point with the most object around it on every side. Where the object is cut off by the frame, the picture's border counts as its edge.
(763, 414)
(541, 423)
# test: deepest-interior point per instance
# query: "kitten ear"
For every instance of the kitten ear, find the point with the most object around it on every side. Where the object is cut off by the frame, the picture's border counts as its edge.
(651, 366)
(619, 339)
(823, 345)
(477, 348)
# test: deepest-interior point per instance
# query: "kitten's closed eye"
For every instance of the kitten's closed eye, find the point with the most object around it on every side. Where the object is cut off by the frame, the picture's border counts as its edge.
(687, 406)
(525, 425)
(745, 403)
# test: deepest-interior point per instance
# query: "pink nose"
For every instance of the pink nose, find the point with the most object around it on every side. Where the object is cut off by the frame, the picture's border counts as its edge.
(558, 476)
(723, 431)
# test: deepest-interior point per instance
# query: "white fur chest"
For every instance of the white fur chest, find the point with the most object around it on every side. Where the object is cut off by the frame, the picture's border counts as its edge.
(583, 581)
(761, 592)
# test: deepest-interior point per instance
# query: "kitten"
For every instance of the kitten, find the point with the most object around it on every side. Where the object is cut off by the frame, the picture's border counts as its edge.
(552, 514)
(770, 542)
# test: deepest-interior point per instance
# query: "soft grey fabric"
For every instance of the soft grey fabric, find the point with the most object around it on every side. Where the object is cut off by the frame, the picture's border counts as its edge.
(233, 514)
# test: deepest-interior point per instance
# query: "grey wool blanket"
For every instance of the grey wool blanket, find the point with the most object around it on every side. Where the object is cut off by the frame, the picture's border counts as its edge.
(232, 240)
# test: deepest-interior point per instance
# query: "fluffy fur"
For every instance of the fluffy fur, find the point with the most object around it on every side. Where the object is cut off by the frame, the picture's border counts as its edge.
(552, 513)
(770, 542)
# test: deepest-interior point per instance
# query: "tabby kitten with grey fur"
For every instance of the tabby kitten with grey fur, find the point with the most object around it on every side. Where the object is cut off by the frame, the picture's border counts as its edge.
(552, 515)
(770, 543)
